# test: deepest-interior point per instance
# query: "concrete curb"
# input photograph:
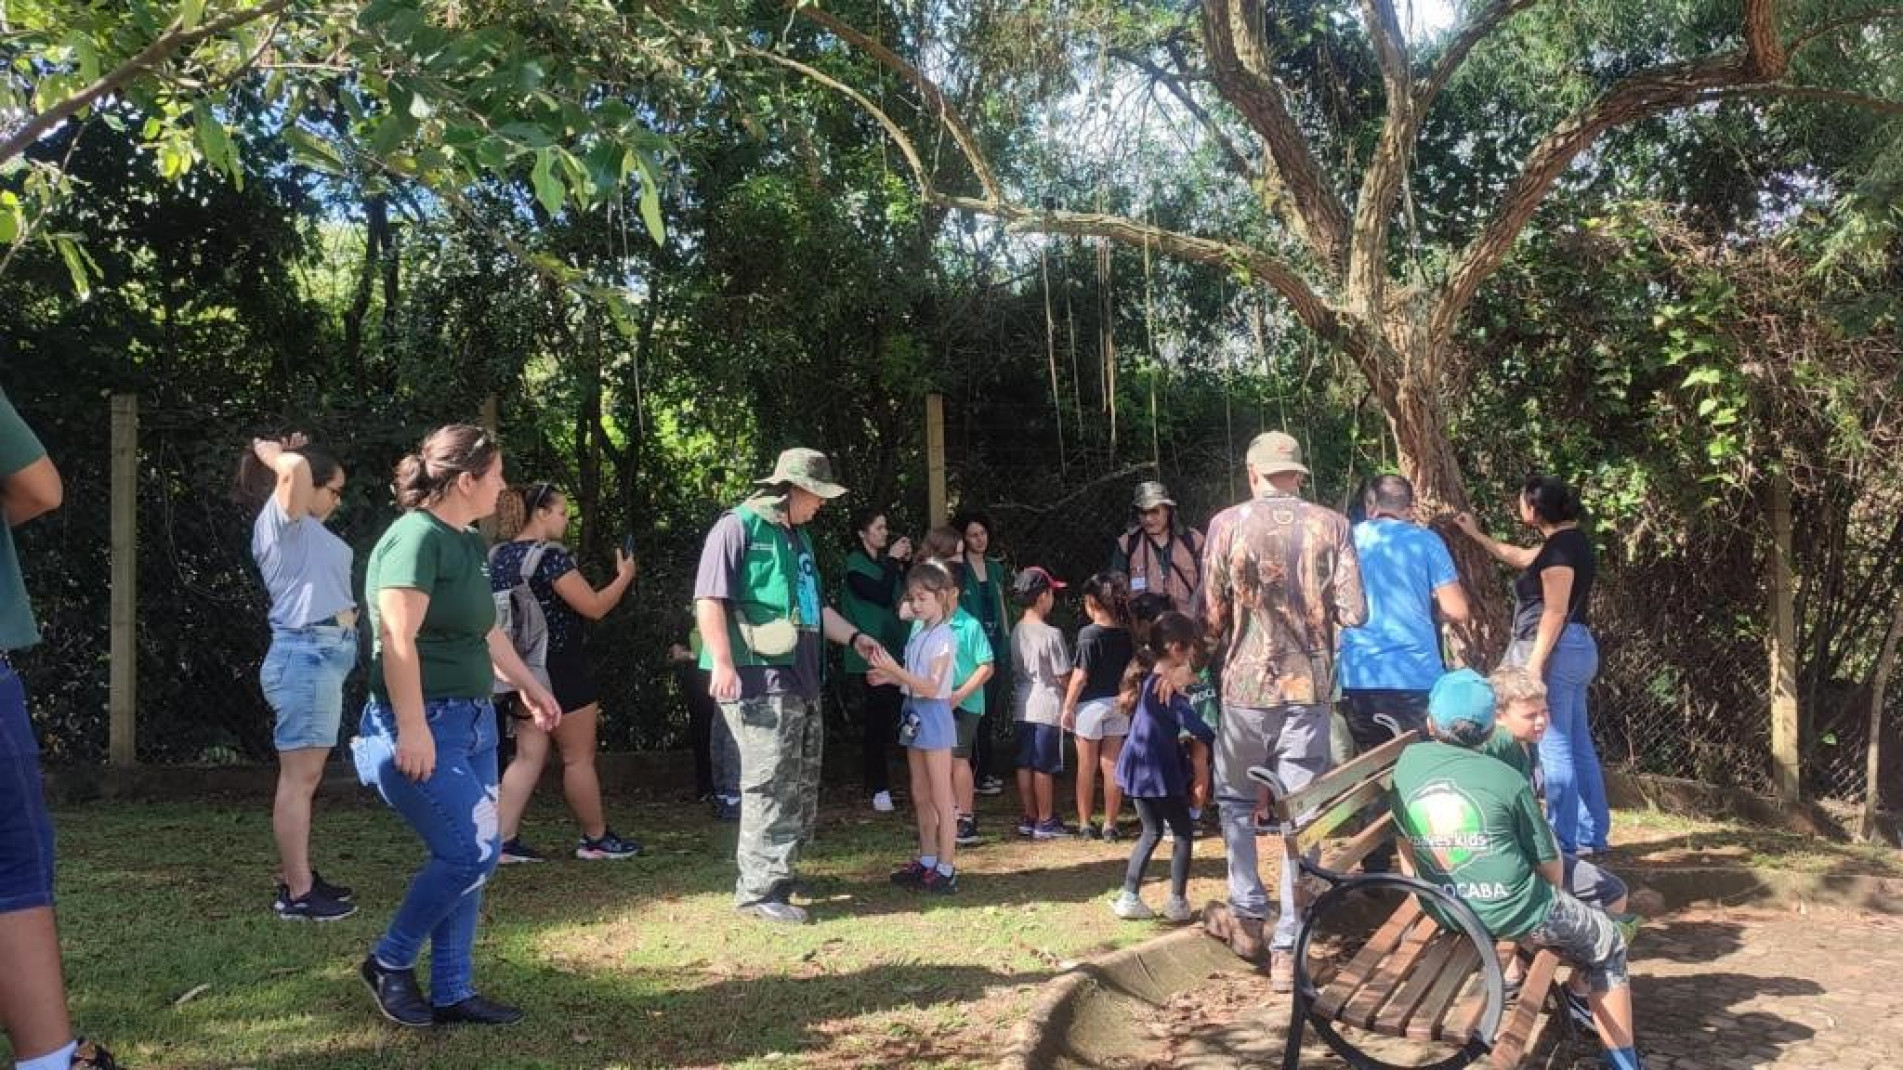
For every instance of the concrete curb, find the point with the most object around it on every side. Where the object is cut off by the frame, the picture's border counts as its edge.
(1058, 1028)
(1084, 1012)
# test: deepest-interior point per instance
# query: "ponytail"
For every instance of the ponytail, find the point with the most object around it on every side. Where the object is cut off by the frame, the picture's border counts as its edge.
(450, 452)
(1111, 592)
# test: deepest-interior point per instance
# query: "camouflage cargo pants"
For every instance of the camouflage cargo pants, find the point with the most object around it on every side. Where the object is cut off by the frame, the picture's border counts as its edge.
(779, 738)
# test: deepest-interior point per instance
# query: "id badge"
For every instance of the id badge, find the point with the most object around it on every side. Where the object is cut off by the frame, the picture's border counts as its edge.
(1139, 584)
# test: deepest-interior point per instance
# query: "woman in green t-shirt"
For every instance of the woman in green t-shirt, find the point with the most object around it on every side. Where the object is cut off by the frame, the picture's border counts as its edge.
(875, 585)
(427, 740)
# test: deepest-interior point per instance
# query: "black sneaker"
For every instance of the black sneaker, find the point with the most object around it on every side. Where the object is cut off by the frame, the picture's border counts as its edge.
(1111, 833)
(90, 1056)
(313, 905)
(967, 830)
(935, 882)
(514, 851)
(909, 875)
(1085, 831)
(340, 892)
(609, 846)
(989, 786)
(774, 910)
(477, 1011)
(397, 995)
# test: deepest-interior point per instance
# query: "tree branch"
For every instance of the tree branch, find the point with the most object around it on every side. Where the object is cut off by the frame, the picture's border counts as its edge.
(935, 97)
(161, 49)
(1476, 29)
(1660, 89)
(1387, 168)
(1833, 25)
(1310, 307)
(1242, 77)
(1232, 155)
(1809, 92)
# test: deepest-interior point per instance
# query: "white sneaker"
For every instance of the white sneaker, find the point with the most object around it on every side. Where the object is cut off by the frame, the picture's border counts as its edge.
(1131, 908)
(882, 802)
(1178, 910)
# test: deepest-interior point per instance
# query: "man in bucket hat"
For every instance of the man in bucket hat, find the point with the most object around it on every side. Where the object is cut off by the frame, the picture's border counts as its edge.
(1159, 554)
(1280, 579)
(757, 601)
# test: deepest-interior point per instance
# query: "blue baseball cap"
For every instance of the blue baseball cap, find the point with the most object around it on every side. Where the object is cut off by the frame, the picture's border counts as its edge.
(1461, 695)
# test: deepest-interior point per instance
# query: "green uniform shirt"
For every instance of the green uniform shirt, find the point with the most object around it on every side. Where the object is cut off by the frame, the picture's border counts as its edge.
(18, 449)
(880, 622)
(972, 650)
(1477, 833)
(1524, 760)
(423, 553)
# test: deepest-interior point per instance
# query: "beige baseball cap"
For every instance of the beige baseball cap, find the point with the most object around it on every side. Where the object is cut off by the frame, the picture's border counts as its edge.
(1272, 453)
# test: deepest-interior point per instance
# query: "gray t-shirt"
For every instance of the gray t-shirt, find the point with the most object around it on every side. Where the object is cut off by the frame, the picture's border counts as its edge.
(1039, 660)
(721, 561)
(306, 568)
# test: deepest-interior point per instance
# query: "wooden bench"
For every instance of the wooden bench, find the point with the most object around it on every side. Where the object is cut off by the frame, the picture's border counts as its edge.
(1414, 978)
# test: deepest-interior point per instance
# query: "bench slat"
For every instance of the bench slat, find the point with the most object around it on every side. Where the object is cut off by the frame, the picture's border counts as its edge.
(1363, 845)
(1453, 977)
(1517, 1034)
(1342, 811)
(1400, 964)
(1342, 777)
(1345, 983)
(1395, 1016)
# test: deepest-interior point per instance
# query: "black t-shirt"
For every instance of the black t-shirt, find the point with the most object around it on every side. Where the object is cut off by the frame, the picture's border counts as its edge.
(1102, 655)
(1566, 548)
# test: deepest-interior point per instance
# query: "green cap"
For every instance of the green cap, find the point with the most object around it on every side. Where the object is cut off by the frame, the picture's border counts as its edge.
(807, 469)
(1461, 695)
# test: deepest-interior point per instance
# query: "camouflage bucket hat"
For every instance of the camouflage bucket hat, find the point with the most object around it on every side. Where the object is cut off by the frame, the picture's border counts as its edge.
(807, 469)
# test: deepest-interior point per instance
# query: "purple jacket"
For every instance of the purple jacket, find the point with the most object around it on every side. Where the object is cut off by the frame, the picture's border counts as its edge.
(1151, 765)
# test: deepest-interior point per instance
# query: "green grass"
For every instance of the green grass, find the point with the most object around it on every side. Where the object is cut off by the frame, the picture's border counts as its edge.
(638, 963)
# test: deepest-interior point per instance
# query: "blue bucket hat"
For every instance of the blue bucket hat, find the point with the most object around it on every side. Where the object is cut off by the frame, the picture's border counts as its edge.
(1461, 695)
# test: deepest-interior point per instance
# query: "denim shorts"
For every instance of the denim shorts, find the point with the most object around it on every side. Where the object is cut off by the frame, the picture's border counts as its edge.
(1041, 748)
(26, 829)
(303, 678)
(933, 719)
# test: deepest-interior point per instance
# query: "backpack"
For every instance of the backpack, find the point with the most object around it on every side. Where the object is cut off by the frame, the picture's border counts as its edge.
(519, 615)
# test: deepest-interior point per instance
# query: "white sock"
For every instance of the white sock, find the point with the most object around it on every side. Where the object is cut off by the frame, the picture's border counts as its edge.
(944, 869)
(52, 1060)
(928, 861)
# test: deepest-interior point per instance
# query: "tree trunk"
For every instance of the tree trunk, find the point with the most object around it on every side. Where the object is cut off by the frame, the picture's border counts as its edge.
(1879, 686)
(1427, 458)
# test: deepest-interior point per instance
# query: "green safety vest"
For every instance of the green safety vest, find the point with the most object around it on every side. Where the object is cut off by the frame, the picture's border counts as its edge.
(880, 622)
(768, 588)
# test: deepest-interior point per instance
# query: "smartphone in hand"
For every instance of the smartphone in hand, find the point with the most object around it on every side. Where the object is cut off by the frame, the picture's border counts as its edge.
(627, 545)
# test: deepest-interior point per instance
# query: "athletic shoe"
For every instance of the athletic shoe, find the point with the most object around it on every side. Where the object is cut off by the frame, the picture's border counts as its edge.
(1130, 907)
(1027, 826)
(311, 906)
(340, 892)
(397, 995)
(477, 1011)
(90, 1056)
(989, 786)
(1112, 834)
(1578, 1009)
(909, 875)
(1177, 910)
(1281, 971)
(1085, 831)
(774, 910)
(882, 802)
(967, 830)
(609, 846)
(937, 883)
(515, 851)
(1049, 830)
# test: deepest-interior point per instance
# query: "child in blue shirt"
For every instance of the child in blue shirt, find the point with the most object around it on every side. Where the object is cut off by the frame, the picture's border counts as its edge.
(1150, 769)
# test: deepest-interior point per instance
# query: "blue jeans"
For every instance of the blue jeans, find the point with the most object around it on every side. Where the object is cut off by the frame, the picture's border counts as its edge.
(26, 829)
(303, 679)
(454, 811)
(1575, 785)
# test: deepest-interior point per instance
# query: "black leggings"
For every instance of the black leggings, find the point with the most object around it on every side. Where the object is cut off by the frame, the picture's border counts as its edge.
(879, 712)
(1173, 810)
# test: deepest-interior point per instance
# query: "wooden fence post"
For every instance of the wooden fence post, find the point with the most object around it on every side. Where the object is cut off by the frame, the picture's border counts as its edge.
(935, 458)
(1873, 755)
(123, 676)
(1786, 771)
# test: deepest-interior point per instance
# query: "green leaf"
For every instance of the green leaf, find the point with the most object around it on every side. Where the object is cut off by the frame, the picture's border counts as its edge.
(548, 188)
(189, 13)
(1706, 406)
(213, 140)
(1705, 376)
(76, 265)
(651, 212)
(312, 152)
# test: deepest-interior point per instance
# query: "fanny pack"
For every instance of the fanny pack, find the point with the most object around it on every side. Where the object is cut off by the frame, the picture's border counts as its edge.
(771, 639)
